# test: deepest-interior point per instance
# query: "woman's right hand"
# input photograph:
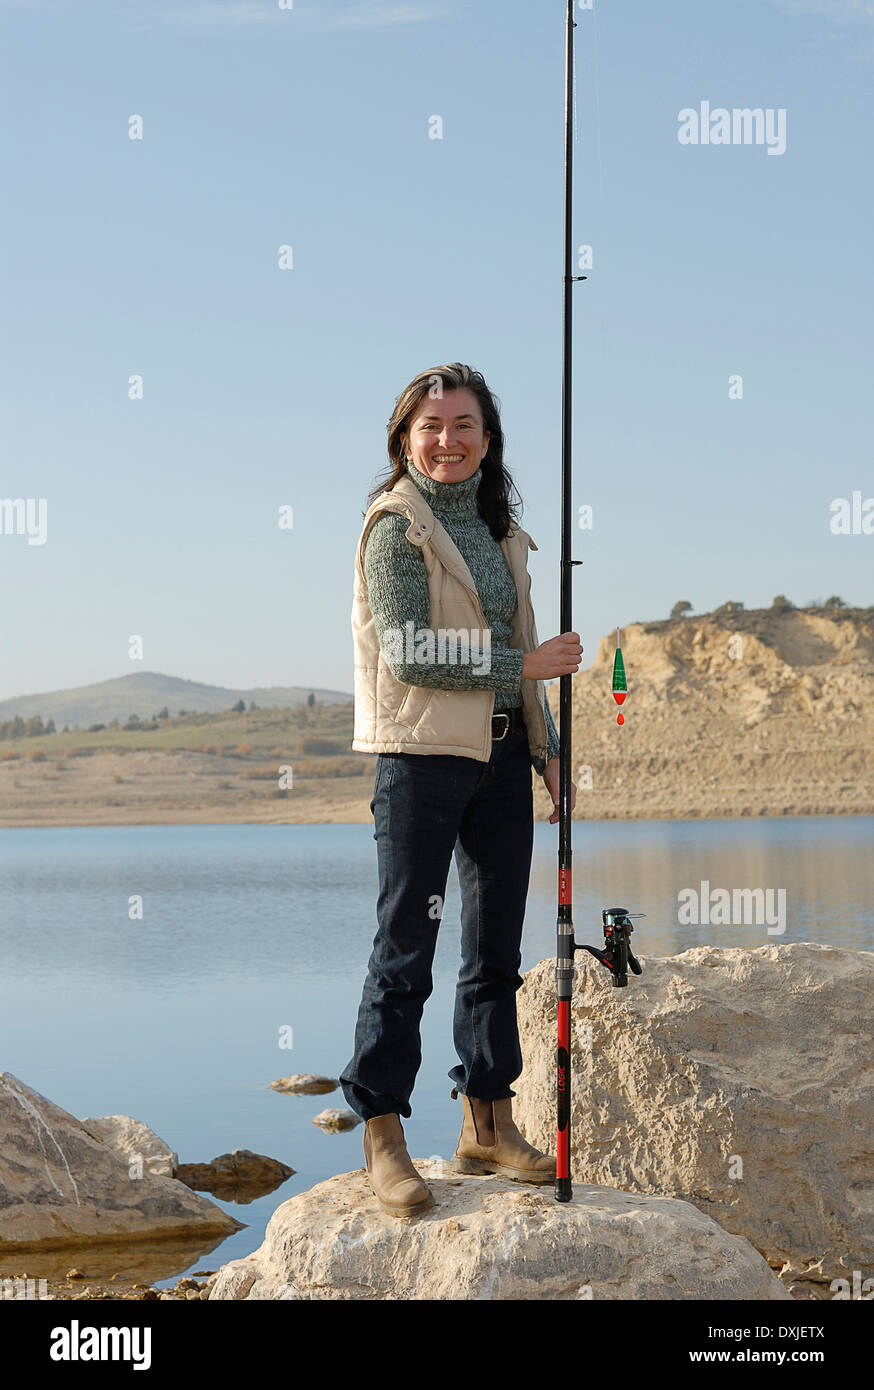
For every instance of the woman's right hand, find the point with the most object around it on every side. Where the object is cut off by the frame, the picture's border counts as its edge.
(560, 656)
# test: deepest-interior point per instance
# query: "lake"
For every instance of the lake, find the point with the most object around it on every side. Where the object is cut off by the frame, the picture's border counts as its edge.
(246, 929)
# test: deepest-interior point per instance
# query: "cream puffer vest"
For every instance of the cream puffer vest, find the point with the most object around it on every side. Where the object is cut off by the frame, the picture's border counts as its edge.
(391, 717)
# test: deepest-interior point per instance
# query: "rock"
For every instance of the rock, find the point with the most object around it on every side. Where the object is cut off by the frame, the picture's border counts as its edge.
(337, 1119)
(803, 682)
(133, 1141)
(304, 1085)
(59, 1185)
(240, 1176)
(736, 1079)
(74, 1274)
(488, 1238)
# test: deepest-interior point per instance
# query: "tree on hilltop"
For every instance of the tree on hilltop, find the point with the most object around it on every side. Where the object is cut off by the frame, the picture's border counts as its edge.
(680, 609)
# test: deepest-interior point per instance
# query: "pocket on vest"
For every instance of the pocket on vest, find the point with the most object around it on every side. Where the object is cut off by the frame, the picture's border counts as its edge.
(397, 703)
(412, 706)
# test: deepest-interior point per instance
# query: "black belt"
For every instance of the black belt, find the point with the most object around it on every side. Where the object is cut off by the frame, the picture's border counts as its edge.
(505, 721)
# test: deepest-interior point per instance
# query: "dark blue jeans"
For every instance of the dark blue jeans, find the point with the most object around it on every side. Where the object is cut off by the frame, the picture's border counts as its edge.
(425, 806)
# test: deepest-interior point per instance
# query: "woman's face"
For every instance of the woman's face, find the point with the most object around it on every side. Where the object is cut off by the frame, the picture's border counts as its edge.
(446, 440)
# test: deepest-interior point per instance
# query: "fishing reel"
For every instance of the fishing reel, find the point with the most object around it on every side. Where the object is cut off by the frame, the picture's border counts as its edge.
(616, 954)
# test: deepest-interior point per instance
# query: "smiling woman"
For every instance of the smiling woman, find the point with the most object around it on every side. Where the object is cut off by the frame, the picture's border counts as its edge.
(441, 550)
(449, 411)
(445, 446)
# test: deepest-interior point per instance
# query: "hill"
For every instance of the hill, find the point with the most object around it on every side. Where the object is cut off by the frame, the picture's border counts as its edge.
(145, 693)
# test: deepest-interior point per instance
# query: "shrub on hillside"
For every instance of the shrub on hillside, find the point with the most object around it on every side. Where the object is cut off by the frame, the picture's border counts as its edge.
(333, 767)
(311, 744)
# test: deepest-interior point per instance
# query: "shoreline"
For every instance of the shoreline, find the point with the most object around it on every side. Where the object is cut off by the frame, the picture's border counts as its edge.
(133, 787)
(689, 817)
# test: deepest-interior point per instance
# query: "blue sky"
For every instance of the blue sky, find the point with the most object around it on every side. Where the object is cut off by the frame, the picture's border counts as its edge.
(308, 127)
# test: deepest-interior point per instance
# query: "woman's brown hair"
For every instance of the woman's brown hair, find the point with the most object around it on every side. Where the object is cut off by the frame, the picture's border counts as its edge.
(494, 503)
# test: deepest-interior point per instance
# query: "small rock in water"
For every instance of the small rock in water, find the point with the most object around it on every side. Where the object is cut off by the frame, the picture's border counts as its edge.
(74, 1274)
(337, 1119)
(304, 1084)
(240, 1176)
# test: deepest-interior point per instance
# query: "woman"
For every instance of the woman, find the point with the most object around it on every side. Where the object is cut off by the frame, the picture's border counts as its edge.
(449, 692)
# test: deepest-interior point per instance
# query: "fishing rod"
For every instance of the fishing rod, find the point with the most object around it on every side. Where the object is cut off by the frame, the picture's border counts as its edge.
(616, 954)
(564, 953)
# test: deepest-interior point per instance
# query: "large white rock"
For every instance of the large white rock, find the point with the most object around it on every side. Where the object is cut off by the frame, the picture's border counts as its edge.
(487, 1238)
(133, 1141)
(740, 1080)
(60, 1185)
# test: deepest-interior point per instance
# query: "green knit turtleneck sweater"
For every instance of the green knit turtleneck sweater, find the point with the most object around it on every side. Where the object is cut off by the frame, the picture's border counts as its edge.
(397, 587)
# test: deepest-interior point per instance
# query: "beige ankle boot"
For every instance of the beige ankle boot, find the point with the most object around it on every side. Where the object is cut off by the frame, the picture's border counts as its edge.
(394, 1181)
(506, 1153)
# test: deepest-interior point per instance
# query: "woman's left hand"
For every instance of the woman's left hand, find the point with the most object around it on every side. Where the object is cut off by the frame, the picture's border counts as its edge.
(551, 779)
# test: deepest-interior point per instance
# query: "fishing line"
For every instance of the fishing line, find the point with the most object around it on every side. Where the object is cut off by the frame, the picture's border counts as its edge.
(596, 84)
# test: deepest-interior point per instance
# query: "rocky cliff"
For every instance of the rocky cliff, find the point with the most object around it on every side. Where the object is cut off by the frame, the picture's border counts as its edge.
(738, 713)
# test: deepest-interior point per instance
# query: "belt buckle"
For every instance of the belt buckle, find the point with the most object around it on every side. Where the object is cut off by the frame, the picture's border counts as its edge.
(495, 736)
